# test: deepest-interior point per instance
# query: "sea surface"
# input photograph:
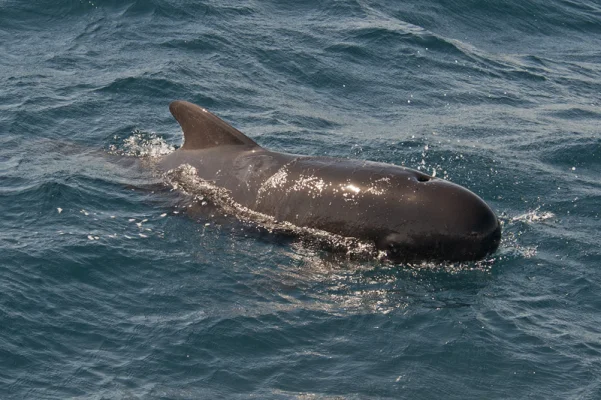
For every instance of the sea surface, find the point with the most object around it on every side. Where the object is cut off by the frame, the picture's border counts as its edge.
(111, 289)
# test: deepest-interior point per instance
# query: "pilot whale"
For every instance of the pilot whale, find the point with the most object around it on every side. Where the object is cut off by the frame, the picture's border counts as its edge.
(408, 215)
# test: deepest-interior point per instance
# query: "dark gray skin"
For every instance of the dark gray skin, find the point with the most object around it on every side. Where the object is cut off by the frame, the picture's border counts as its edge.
(406, 213)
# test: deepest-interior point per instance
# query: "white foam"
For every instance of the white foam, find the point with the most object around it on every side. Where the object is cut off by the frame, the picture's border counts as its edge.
(533, 216)
(142, 144)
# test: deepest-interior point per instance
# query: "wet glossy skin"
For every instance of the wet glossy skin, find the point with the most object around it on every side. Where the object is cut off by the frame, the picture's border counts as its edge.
(406, 213)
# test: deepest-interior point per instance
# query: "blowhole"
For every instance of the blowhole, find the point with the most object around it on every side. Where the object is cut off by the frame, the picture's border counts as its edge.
(423, 178)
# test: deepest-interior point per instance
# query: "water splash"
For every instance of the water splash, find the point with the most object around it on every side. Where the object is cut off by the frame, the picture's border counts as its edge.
(533, 216)
(141, 144)
(516, 226)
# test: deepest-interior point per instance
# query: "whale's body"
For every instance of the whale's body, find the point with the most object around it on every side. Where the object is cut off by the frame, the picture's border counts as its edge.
(404, 212)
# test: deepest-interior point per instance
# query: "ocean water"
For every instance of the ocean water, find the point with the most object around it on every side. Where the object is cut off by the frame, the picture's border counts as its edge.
(111, 288)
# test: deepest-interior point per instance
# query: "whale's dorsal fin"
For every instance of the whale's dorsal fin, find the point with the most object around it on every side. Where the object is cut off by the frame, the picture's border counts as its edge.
(203, 130)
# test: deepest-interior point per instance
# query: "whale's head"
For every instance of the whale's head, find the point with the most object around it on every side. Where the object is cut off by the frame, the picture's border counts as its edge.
(437, 220)
(407, 214)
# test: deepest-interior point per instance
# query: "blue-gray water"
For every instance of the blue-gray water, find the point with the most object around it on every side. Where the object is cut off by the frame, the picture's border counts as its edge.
(95, 302)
